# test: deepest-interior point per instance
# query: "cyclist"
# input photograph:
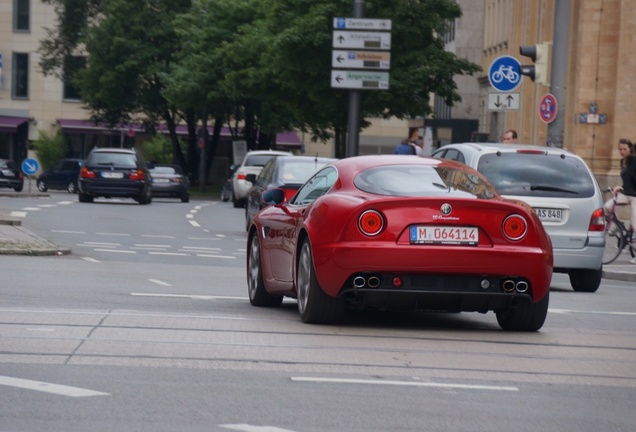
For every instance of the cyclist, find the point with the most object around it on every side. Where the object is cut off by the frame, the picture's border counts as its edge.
(628, 175)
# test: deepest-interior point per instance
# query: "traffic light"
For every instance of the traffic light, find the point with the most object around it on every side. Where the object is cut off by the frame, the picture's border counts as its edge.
(539, 55)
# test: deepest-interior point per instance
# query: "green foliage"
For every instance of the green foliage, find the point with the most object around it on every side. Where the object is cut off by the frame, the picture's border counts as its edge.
(50, 148)
(158, 149)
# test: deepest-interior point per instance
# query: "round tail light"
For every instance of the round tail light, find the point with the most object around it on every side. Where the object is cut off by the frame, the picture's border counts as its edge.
(515, 227)
(371, 222)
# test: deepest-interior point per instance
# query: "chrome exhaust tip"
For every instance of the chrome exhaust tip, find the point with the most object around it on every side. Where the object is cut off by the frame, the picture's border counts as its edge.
(359, 281)
(508, 285)
(522, 286)
(374, 282)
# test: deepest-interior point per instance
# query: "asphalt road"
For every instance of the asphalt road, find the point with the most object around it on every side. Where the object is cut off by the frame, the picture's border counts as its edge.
(146, 326)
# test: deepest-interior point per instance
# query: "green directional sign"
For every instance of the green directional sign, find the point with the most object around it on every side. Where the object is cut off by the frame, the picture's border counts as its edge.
(366, 80)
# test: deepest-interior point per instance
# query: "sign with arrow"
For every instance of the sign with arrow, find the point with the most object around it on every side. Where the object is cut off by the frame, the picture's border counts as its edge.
(504, 101)
(361, 59)
(368, 40)
(351, 79)
(30, 166)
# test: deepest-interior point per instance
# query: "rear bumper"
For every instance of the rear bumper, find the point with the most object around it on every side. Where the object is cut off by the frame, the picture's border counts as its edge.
(113, 189)
(10, 183)
(589, 257)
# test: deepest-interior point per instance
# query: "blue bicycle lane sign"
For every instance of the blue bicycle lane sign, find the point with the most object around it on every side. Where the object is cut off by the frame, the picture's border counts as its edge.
(504, 73)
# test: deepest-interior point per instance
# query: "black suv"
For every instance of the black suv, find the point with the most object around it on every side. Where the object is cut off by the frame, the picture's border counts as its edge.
(114, 172)
(62, 176)
(10, 175)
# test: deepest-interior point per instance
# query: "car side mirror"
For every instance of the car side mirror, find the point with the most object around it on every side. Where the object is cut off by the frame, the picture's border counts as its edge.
(251, 178)
(273, 196)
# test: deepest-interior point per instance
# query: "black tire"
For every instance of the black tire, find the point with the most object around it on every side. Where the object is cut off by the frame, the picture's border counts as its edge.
(18, 188)
(185, 198)
(41, 184)
(237, 203)
(145, 197)
(247, 220)
(83, 198)
(314, 306)
(528, 317)
(255, 285)
(71, 187)
(585, 280)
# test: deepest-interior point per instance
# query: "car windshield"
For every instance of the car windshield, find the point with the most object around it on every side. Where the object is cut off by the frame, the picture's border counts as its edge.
(258, 160)
(163, 170)
(544, 175)
(299, 171)
(420, 181)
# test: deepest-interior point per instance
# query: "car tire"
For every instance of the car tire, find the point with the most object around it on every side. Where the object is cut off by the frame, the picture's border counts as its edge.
(42, 186)
(314, 305)
(18, 188)
(71, 187)
(527, 317)
(247, 220)
(185, 198)
(586, 280)
(255, 285)
(84, 198)
(145, 197)
(236, 202)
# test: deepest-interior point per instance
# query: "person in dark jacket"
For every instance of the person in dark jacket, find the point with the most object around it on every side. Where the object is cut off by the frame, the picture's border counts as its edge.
(628, 176)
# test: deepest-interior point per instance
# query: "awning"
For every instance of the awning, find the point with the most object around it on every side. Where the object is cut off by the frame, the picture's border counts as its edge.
(88, 127)
(10, 124)
(288, 139)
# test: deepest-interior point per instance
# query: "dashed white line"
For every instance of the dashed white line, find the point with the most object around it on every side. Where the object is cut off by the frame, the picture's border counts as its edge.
(113, 234)
(18, 214)
(49, 388)
(252, 428)
(190, 296)
(89, 259)
(168, 253)
(404, 383)
(116, 251)
(158, 282)
(69, 232)
(215, 256)
(194, 223)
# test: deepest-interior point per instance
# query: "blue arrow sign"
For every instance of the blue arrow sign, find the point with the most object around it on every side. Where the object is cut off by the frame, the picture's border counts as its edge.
(504, 73)
(30, 166)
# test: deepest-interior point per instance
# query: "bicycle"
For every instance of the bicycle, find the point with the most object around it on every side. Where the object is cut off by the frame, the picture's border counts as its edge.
(617, 235)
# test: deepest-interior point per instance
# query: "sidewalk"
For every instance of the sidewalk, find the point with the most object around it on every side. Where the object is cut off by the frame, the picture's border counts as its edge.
(17, 240)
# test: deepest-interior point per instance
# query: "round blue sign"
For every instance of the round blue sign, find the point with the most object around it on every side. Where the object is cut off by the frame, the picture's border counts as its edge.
(504, 73)
(30, 166)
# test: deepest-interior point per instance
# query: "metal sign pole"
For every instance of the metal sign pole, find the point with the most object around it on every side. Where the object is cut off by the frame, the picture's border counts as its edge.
(353, 127)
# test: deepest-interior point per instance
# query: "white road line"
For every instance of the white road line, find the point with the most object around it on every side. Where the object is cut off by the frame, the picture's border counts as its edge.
(158, 282)
(252, 428)
(403, 383)
(49, 388)
(47, 205)
(69, 232)
(221, 235)
(157, 236)
(168, 253)
(151, 245)
(18, 214)
(189, 216)
(89, 243)
(31, 208)
(117, 251)
(194, 223)
(89, 259)
(567, 311)
(113, 234)
(202, 238)
(66, 202)
(215, 256)
(193, 248)
(190, 296)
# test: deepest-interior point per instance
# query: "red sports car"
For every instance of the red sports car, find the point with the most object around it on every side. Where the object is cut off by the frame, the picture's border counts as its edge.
(402, 233)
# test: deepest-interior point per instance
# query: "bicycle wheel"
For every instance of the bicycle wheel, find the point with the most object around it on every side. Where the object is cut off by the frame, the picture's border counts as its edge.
(615, 241)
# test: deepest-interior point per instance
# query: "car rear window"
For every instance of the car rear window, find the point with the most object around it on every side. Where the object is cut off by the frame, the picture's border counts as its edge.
(417, 180)
(299, 171)
(544, 175)
(115, 159)
(258, 160)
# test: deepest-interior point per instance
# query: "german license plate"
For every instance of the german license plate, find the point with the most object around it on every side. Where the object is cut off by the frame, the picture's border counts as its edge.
(432, 234)
(112, 174)
(549, 215)
(161, 180)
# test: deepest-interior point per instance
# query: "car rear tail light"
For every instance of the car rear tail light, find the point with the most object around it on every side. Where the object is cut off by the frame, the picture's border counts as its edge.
(531, 151)
(515, 227)
(371, 222)
(86, 173)
(240, 176)
(597, 222)
(136, 175)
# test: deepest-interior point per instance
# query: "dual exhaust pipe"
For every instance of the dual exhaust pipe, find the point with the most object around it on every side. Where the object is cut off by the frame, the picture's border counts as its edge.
(366, 282)
(510, 285)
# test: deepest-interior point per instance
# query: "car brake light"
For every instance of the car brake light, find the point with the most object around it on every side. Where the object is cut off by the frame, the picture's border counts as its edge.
(86, 173)
(531, 151)
(515, 227)
(371, 222)
(240, 176)
(136, 175)
(597, 222)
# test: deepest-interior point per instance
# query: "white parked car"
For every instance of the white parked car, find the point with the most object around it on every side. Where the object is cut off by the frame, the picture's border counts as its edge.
(563, 192)
(252, 163)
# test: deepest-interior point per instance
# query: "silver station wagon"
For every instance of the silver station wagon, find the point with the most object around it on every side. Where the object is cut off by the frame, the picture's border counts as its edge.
(563, 192)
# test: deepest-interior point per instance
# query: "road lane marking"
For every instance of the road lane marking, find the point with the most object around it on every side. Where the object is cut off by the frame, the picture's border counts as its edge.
(18, 214)
(194, 223)
(31, 208)
(215, 256)
(158, 236)
(89, 259)
(404, 383)
(69, 232)
(168, 253)
(113, 234)
(116, 251)
(567, 311)
(190, 296)
(253, 428)
(158, 282)
(49, 387)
